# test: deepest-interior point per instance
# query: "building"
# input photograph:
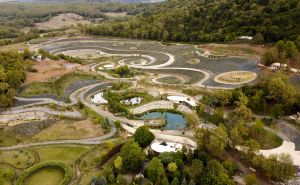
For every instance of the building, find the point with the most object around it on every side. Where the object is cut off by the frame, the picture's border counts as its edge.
(99, 99)
(132, 101)
(161, 147)
(182, 100)
(245, 38)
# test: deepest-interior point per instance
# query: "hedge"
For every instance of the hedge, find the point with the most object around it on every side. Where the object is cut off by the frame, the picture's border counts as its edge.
(67, 177)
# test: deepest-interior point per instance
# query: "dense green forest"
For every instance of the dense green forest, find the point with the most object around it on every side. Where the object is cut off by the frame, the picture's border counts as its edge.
(12, 74)
(209, 21)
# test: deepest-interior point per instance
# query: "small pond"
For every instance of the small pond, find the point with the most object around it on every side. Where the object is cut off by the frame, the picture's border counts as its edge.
(174, 120)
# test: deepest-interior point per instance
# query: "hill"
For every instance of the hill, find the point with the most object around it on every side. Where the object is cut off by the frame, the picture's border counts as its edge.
(209, 21)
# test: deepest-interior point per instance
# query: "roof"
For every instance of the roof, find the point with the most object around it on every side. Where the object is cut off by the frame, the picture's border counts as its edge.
(161, 147)
(182, 99)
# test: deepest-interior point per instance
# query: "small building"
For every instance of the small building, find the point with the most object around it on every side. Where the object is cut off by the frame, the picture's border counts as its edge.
(99, 99)
(161, 147)
(276, 66)
(132, 101)
(245, 38)
(182, 100)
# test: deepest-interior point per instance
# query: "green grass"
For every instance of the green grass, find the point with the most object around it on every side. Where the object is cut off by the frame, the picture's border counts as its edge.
(67, 154)
(6, 175)
(17, 158)
(170, 80)
(45, 176)
(57, 87)
(8, 138)
(270, 141)
(86, 178)
(93, 158)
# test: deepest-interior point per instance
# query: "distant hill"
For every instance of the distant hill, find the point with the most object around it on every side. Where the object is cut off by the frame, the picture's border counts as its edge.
(210, 21)
(103, 1)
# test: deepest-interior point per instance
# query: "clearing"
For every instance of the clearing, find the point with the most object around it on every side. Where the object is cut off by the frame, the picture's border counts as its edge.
(62, 20)
(48, 70)
(68, 129)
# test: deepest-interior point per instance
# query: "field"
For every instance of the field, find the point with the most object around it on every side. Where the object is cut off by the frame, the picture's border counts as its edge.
(6, 175)
(49, 70)
(18, 159)
(61, 21)
(69, 129)
(55, 87)
(52, 174)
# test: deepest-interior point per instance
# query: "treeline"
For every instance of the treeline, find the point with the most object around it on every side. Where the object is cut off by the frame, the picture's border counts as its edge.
(209, 21)
(14, 16)
(12, 74)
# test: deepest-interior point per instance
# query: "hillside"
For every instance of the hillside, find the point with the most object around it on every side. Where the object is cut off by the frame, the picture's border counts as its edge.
(209, 21)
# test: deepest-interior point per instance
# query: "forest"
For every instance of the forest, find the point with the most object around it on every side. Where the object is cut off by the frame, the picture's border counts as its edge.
(208, 21)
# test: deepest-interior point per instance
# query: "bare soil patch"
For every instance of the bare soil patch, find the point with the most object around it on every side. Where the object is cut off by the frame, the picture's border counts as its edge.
(62, 20)
(48, 70)
(253, 51)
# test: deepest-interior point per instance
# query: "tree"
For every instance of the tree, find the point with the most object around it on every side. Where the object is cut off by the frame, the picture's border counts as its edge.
(217, 141)
(279, 167)
(121, 180)
(250, 148)
(155, 171)
(195, 170)
(118, 163)
(238, 133)
(175, 181)
(132, 155)
(297, 42)
(281, 91)
(215, 174)
(165, 181)
(258, 38)
(143, 136)
(172, 167)
(291, 49)
(251, 179)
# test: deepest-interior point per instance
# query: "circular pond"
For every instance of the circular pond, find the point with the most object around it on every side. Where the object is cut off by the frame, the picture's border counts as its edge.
(174, 121)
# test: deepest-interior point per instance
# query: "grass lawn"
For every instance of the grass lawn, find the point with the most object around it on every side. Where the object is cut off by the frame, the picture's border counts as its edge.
(93, 158)
(48, 176)
(67, 154)
(70, 129)
(57, 87)
(271, 141)
(17, 158)
(6, 175)
(86, 178)
(170, 80)
(16, 47)
(8, 138)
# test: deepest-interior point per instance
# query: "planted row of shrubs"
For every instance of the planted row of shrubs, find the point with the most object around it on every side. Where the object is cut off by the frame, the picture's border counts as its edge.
(67, 177)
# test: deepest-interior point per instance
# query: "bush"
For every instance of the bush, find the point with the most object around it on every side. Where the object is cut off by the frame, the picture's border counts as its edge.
(45, 164)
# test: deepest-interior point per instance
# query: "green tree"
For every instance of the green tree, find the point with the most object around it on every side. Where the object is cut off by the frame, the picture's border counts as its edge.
(121, 180)
(175, 181)
(258, 38)
(217, 141)
(118, 162)
(251, 179)
(195, 170)
(215, 174)
(132, 155)
(143, 136)
(279, 167)
(172, 167)
(155, 171)
(165, 181)
(290, 49)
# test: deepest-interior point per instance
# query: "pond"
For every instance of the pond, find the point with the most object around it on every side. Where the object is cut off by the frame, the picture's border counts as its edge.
(174, 121)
